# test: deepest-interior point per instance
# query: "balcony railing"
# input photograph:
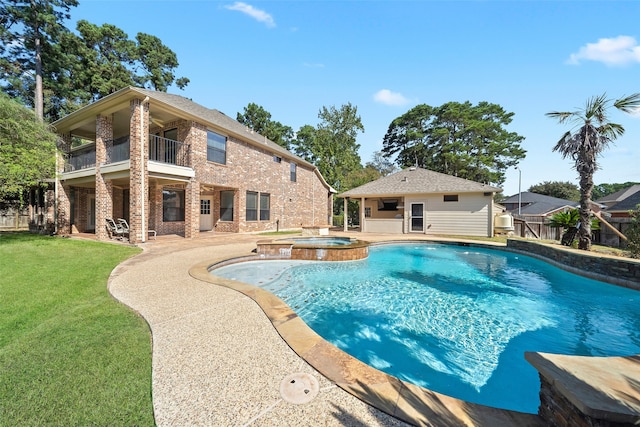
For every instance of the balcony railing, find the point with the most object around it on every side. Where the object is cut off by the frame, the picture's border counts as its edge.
(81, 159)
(168, 151)
(117, 150)
(161, 149)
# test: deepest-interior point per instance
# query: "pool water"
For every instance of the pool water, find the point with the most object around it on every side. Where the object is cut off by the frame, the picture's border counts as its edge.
(456, 320)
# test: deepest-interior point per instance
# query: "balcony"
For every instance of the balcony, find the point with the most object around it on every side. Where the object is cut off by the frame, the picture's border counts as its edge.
(168, 151)
(162, 150)
(81, 158)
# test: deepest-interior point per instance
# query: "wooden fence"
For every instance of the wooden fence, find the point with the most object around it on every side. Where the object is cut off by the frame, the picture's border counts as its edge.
(12, 218)
(535, 227)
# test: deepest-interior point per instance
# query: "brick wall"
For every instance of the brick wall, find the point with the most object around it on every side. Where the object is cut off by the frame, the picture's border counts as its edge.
(250, 168)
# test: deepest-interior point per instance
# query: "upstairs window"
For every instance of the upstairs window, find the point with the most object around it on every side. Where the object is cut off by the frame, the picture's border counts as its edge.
(293, 172)
(277, 159)
(450, 197)
(216, 148)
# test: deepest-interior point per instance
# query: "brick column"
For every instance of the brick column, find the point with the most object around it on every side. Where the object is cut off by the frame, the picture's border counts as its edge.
(63, 208)
(104, 189)
(192, 210)
(139, 175)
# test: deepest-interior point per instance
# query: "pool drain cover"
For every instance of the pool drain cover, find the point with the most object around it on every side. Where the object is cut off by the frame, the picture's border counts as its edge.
(299, 388)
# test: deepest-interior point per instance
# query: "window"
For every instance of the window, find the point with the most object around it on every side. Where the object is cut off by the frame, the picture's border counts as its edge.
(252, 206)
(205, 207)
(450, 197)
(172, 205)
(277, 159)
(367, 212)
(226, 206)
(216, 148)
(265, 202)
(293, 169)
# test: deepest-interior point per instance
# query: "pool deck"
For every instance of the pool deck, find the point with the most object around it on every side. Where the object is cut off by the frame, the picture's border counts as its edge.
(219, 357)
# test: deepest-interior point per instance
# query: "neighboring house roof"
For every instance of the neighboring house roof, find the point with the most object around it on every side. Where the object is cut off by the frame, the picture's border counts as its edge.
(417, 181)
(618, 196)
(538, 204)
(628, 204)
(180, 106)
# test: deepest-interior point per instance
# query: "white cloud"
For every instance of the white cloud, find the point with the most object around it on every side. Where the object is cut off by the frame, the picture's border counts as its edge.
(315, 65)
(621, 50)
(257, 14)
(385, 96)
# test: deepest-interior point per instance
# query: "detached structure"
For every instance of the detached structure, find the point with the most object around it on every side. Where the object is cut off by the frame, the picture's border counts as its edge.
(167, 164)
(417, 200)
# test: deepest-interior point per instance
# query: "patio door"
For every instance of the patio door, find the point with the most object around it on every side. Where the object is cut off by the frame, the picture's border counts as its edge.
(206, 213)
(91, 213)
(417, 217)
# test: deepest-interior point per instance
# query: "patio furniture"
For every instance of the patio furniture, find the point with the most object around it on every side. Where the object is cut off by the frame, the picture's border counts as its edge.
(115, 230)
(125, 226)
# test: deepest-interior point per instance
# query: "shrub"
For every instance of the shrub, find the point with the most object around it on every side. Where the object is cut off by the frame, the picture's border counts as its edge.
(633, 234)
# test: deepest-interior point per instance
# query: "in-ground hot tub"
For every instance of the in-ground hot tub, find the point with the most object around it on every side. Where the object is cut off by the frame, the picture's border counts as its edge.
(314, 248)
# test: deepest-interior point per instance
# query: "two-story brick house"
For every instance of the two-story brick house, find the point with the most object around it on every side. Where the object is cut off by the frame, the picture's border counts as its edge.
(167, 164)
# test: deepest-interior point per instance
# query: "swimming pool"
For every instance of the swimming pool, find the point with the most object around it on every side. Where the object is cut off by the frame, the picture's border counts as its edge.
(454, 319)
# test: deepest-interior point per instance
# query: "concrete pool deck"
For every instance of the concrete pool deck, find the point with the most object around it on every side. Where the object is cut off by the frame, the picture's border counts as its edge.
(219, 357)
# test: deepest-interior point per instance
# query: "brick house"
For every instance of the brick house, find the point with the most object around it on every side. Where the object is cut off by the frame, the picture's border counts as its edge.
(167, 164)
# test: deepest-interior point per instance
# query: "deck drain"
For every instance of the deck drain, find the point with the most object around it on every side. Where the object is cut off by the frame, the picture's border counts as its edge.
(299, 388)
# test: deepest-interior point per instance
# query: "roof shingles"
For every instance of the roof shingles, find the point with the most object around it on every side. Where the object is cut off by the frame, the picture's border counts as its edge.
(418, 181)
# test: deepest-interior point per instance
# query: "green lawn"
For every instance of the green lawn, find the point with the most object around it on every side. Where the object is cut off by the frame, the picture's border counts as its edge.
(70, 355)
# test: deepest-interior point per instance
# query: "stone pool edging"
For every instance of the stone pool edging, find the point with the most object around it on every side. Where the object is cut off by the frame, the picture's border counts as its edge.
(407, 402)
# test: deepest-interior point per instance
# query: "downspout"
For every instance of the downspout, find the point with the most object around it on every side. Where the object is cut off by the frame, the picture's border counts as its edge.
(143, 164)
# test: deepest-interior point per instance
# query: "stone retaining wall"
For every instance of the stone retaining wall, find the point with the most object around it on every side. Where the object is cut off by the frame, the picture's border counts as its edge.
(618, 271)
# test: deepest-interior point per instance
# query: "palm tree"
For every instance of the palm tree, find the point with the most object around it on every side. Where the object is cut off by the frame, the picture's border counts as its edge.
(594, 134)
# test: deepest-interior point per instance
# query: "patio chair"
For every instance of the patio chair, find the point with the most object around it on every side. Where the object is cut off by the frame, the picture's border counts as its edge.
(124, 225)
(116, 230)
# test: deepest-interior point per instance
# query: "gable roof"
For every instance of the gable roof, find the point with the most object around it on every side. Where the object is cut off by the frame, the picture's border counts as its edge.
(538, 204)
(619, 195)
(418, 181)
(530, 197)
(627, 204)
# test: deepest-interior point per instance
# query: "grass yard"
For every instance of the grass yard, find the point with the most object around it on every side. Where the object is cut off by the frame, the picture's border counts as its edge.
(70, 354)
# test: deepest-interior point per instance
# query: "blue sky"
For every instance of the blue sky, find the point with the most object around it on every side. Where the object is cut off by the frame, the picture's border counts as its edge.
(385, 57)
